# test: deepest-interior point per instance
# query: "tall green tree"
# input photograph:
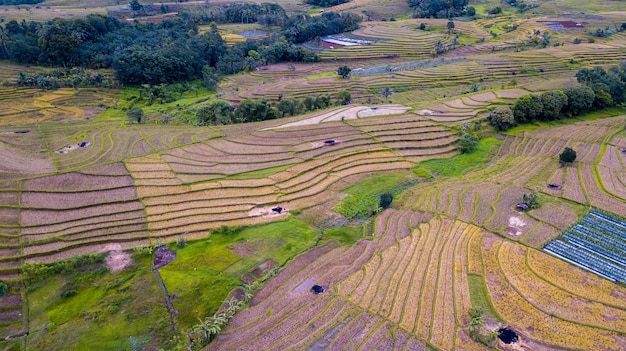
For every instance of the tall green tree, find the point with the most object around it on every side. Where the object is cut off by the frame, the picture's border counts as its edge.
(386, 92)
(450, 26)
(553, 102)
(527, 108)
(567, 156)
(502, 118)
(344, 71)
(580, 98)
(343, 97)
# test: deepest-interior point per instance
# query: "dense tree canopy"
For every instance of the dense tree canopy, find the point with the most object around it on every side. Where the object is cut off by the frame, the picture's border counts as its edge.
(265, 14)
(613, 81)
(19, 2)
(301, 28)
(567, 156)
(580, 99)
(437, 8)
(325, 3)
(502, 118)
(599, 88)
(158, 53)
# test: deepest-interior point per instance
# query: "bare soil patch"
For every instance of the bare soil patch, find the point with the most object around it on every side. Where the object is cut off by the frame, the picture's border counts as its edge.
(242, 249)
(304, 286)
(11, 316)
(515, 226)
(163, 256)
(263, 268)
(267, 212)
(352, 112)
(117, 259)
(73, 147)
(89, 112)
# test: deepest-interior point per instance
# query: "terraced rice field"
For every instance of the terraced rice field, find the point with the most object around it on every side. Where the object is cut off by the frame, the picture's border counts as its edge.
(20, 106)
(408, 286)
(136, 184)
(71, 185)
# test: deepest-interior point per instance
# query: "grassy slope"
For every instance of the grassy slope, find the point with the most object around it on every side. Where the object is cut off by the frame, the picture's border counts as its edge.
(460, 164)
(110, 308)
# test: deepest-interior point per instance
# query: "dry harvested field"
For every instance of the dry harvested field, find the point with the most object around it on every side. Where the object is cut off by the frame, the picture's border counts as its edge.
(109, 188)
(399, 290)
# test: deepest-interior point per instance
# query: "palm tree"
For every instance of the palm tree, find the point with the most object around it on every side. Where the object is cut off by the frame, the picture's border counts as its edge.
(386, 92)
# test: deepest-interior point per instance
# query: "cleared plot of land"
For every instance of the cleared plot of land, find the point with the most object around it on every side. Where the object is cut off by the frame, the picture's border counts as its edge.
(351, 112)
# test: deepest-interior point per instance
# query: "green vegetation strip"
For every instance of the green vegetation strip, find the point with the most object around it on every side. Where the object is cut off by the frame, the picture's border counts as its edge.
(363, 198)
(79, 304)
(461, 164)
(479, 295)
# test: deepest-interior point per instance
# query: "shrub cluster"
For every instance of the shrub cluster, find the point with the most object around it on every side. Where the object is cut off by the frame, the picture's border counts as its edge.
(598, 89)
(170, 51)
(437, 8)
(76, 77)
(219, 112)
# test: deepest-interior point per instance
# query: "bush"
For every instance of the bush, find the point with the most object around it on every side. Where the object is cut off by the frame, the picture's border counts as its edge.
(567, 156)
(385, 200)
(531, 200)
(4, 289)
(495, 11)
(502, 118)
(68, 289)
(468, 142)
(135, 114)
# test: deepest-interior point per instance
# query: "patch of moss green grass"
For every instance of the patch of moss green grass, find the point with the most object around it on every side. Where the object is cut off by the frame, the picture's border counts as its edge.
(480, 297)
(129, 96)
(204, 272)
(420, 172)
(362, 198)
(104, 313)
(321, 75)
(589, 116)
(261, 173)
(346, 235)
(16, 344)
(458, 165)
